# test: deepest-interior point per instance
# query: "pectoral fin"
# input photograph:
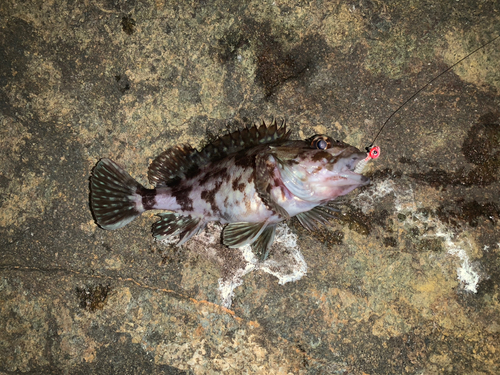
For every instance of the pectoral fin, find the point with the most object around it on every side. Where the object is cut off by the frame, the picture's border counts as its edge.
(262, 245)
(241, 234)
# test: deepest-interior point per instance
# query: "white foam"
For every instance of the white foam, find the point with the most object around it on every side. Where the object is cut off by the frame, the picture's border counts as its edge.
(404, 202)
(366, 200)
(296, 266)
(468, 277)
(286, 263)
(285, 260)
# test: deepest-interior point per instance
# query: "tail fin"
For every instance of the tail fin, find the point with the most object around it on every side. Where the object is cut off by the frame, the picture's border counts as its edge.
(114, 196)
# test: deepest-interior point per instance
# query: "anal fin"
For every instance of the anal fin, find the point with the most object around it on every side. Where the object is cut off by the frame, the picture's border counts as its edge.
(172, 224)
(241, 234)
(263, 244)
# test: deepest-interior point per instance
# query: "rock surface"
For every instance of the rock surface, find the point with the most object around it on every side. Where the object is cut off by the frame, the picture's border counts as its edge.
(406, 281)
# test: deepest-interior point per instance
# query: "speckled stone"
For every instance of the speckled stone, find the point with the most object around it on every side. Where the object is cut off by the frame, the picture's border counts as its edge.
(406, 281)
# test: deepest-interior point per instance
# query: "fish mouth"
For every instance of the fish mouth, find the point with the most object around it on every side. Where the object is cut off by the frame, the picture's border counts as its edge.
(347, 169)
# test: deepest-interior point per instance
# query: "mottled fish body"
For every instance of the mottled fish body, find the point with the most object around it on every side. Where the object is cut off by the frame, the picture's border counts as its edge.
(250, 180)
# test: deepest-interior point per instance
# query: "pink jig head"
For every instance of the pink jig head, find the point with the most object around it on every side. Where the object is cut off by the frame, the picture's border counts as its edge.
(372, 153)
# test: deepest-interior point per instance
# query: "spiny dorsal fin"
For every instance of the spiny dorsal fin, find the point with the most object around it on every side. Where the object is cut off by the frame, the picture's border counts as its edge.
(183, 161)
(245, 138)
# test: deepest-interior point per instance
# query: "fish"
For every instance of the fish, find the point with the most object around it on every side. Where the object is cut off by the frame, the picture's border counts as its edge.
(248, 180)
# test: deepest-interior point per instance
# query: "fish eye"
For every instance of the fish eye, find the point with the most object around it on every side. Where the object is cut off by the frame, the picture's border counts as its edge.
(320, 144)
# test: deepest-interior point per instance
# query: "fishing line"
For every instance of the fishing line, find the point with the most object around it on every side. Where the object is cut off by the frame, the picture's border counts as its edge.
(370, 148)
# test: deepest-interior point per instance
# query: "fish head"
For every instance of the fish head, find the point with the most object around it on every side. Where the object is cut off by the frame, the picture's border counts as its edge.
(319, 169)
